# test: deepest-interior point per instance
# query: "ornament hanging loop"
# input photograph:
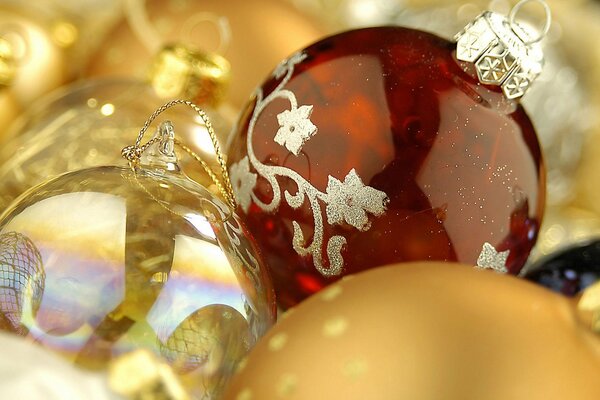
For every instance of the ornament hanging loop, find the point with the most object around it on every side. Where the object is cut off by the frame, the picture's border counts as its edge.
(220, 22)
(512, 20)
(167, 141)
(147, 33)
(134, 152)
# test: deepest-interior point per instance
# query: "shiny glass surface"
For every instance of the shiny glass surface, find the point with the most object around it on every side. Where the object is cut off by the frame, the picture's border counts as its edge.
(460, 164)
(101, 261)
(568, 271)
(86, 125)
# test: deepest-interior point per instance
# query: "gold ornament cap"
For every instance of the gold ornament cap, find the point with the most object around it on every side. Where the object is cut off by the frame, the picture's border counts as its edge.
(8, 66)
(504, 53)
(180, 72)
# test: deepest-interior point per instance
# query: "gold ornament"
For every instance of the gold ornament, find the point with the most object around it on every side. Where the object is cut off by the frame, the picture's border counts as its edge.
(112, 259)
(262, 33)
(34, 55)
(9, 110)
(7, 62)
(427, 331)
(31, 62)
(180, 72)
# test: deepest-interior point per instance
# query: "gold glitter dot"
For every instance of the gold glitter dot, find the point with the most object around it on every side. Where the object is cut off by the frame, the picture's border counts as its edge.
(245, 394)
(277, 342)
(331, 293)
(334, 327)
(287, 384)
(355, 368)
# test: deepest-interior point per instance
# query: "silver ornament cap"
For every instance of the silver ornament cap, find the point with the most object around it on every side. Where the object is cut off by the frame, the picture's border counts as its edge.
(504, 52)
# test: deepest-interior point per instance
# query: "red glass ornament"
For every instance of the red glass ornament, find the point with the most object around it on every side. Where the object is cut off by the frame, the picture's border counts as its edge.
(390, 150)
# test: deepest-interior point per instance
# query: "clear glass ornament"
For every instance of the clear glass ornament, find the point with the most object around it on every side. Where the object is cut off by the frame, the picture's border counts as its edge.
(82, 125)
(105, 260)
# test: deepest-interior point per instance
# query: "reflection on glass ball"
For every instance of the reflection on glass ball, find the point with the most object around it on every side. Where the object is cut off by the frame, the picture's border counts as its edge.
(82, 126)
(562, 126)
(135, 258)
(21, 278)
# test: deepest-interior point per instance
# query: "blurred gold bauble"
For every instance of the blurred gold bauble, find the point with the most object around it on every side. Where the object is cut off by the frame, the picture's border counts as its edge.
(426, 331)
(40, 62)
(9, 110)
(179, 72)
(102, 261)
(87, 124)
(31, 63)
(262, 33)
(564, 227)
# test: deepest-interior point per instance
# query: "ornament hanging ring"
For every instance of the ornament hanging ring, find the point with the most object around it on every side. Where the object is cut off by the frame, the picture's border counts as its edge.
(220, 22)
(134, 152)
(548, 21)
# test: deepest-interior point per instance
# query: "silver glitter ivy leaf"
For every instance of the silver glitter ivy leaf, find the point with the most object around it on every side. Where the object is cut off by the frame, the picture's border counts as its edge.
(490, 258)
(351, 200)
(295, 128)
(242, 181)
(347, 201)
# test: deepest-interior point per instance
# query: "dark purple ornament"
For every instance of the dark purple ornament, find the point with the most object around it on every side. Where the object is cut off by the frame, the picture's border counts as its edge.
(568, 271)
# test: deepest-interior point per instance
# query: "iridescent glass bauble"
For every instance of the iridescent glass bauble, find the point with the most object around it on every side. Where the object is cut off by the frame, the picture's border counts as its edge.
(376, 146)
(102, 261)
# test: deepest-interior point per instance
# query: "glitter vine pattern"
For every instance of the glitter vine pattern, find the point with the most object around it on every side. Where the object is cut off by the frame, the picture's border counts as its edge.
(347, 201)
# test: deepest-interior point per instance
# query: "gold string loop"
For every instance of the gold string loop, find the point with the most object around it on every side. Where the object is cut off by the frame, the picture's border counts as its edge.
(134, 152)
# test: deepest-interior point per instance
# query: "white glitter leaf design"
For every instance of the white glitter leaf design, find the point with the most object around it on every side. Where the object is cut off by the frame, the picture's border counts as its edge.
(351, 200)
(295, 128)
(347, 202)
(490, 258)
(243, 182)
